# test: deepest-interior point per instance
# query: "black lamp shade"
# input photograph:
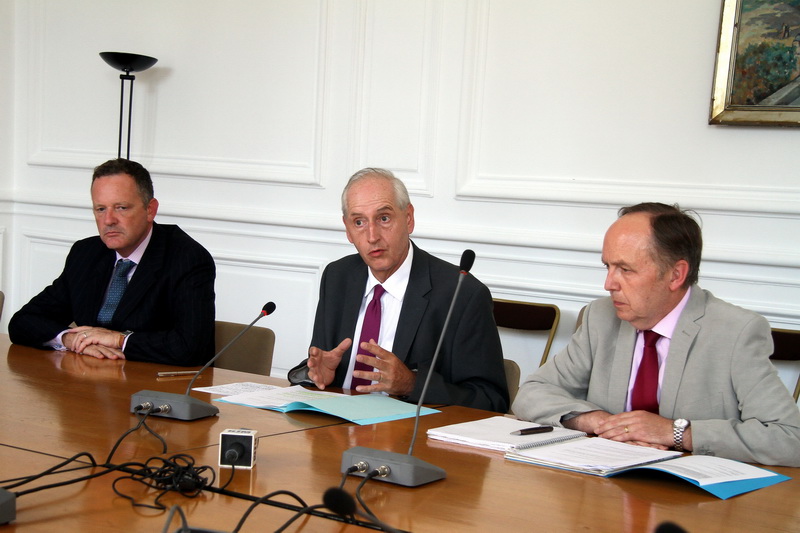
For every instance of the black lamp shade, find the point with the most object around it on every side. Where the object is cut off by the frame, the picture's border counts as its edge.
(128, 62)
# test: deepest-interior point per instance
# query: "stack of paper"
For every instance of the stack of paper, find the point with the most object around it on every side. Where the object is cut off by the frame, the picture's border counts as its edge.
(495, 433)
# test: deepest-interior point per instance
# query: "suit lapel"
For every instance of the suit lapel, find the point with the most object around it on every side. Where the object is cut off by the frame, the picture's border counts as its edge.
(349, 292)
(683, 337)
(621, 371)
(415, 302)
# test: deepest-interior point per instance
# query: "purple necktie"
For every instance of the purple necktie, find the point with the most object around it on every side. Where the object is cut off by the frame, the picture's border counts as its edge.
(370, 330)
(645, 389)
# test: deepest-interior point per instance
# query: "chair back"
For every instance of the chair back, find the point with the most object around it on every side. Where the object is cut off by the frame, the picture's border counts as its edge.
(251, 353)
(528, 316)
(787, 348)
(512, 378)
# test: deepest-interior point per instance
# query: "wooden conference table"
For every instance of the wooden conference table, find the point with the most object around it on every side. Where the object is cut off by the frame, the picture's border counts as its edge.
(56, 405)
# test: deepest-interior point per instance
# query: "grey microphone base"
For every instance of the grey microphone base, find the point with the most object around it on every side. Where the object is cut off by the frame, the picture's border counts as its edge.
(181, 406)
(8, 507)
(405, 470)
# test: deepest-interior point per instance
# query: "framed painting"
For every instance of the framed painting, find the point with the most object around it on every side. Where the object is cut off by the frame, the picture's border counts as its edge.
(757, 72)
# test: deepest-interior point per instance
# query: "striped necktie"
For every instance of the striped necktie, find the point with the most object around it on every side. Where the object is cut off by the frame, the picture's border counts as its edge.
(119, 282)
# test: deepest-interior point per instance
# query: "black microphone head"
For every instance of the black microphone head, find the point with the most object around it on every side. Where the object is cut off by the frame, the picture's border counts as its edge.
(669, 527)
(340, 502)
(467, 259)
(268, 308)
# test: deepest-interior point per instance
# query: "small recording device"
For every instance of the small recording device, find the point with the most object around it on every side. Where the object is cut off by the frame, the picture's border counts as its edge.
(237, 447)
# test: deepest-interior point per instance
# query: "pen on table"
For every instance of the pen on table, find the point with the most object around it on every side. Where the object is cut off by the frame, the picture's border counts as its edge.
(531, 431)
(175, 373)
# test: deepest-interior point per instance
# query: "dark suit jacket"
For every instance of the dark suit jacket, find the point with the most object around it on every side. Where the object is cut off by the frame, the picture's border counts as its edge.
(469, 370)
(169, 302)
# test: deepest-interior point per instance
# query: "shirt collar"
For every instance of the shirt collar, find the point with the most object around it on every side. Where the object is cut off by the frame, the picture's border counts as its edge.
(666, 326)
(136, 255)
(396, 283)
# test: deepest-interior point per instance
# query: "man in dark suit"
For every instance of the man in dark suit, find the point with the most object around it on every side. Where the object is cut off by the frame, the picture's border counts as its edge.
(379, 219)
(165, 313)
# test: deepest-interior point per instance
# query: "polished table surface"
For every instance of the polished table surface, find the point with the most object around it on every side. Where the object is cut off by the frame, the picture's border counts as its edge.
(65, 403)
(482, 491)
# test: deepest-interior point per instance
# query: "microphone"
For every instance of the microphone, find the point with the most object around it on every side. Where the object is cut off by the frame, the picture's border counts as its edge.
(407, 470)
(669, 527)
(183, 406)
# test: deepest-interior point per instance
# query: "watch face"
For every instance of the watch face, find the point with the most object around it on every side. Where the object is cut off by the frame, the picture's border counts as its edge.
(681, 423)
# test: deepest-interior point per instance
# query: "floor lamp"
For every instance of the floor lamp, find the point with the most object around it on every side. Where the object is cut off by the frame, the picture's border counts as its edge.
(127, 63)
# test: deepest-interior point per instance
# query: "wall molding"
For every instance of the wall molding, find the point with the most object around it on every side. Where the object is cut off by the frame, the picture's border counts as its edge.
(482, 185)
(183, 166)
(31, 204)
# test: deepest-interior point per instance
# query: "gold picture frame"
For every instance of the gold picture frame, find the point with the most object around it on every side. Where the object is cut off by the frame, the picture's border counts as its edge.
(757, 71)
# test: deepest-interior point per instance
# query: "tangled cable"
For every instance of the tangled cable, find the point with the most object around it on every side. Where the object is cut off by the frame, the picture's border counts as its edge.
(177, 473)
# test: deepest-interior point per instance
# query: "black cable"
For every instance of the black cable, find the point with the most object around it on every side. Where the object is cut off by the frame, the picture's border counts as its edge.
(175, 474)
(52, 470)
(265, 499)
(347, 473)
(298, 514)
(142, 422)
(233, 471)
(108, 469)
(369, 476)
(172, 511)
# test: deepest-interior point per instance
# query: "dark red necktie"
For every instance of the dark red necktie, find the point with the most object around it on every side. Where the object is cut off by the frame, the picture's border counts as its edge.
(370, 330)
(645, 389)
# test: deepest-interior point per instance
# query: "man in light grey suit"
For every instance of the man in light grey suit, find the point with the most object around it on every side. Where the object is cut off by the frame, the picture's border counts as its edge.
(714, 390)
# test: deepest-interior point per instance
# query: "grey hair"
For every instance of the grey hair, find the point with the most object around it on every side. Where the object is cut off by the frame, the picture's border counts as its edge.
(400, 192)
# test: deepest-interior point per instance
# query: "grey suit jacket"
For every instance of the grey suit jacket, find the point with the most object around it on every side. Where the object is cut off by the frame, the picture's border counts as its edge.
(469, 370)
(718, 376)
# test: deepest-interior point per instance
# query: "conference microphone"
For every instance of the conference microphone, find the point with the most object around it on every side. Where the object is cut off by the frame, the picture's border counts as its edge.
(407, 470)
(183, 406)
(669, 527)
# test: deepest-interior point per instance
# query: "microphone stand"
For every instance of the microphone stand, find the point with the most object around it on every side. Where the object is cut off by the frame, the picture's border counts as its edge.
(407, 470)
(183, 406)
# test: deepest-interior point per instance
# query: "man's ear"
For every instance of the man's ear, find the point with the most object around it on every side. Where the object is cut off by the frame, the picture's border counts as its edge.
(678, 273)
(152, 209)
(410, 218)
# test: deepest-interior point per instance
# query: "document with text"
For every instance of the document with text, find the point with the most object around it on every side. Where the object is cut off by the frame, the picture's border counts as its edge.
(602, 457)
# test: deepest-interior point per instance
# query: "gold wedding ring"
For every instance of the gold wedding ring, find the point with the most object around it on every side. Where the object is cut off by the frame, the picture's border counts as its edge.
(626, 429)
(85, 335)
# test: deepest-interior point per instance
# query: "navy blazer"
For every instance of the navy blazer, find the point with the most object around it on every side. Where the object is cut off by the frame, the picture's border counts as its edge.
(169, 302)
(469, 370)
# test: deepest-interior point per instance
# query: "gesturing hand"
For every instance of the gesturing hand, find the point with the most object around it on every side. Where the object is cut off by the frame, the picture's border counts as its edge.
(322, 365)
(391, 374)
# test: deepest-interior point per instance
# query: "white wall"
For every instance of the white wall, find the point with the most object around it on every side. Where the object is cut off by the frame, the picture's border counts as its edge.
(519, 126)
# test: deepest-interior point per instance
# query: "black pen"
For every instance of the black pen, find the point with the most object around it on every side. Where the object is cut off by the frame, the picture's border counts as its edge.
(531, 431)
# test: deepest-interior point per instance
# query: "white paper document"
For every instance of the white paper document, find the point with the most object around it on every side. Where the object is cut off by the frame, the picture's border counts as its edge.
(236, 388)
(276, 396)
(594, 455)
(707, 470)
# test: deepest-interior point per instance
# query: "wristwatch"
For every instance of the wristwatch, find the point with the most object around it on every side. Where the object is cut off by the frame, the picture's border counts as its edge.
(678, 427)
